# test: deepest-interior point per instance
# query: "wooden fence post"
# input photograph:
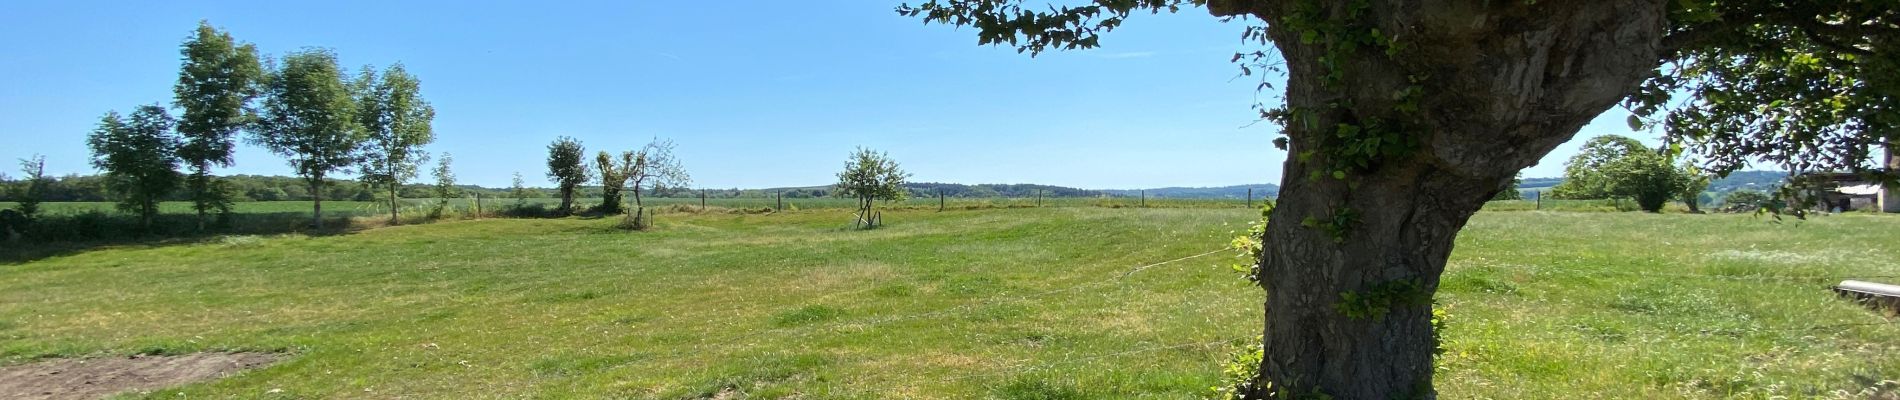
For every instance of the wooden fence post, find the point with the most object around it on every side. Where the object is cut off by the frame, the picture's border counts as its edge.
(702, 200)
(1038, 197)
(939, 200)
(1540, 200)
(781, 202)
(1249, 197)
(478, 205)
(1144, 198)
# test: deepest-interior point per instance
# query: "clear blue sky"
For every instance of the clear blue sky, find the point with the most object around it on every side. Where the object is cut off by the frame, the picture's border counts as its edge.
(756, 94)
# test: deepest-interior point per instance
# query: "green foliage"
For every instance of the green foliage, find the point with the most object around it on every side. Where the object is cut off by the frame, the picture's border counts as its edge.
(870, 176)
(1647, 177)
(1241, 370)
(309, 117)
(1746, 201)
(1376, 300)
(1511, 192)
(1337, 226)
(1583, 175)
(398, 123)
(1612, 166)
(444, 185)
(28, 194)
(138, 157)
(519, 191)
(1248, 245)
(567, 168)
(613, 179)
(1809, 85)
(219, 78)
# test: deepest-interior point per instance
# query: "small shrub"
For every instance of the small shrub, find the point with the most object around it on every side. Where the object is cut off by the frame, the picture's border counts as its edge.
(1238, 373)
(1036, 389)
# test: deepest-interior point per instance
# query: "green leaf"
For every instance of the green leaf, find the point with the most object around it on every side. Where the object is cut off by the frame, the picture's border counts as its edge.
(1636, 123)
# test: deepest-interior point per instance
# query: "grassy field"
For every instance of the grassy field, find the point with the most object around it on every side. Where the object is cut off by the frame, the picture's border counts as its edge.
(1059, 302)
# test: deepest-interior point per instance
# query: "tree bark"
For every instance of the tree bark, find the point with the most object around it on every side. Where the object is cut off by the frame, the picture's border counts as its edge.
(1350, 261)
(316, 197)
(393, 203)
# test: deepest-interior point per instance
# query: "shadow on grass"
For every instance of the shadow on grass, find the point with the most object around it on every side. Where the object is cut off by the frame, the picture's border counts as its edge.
(65, 234)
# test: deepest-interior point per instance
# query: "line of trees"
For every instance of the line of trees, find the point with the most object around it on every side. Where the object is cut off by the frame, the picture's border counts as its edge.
(304, 110)
(649, 169)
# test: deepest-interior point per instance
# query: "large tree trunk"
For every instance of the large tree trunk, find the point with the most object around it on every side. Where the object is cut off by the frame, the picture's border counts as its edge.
(1350, 261)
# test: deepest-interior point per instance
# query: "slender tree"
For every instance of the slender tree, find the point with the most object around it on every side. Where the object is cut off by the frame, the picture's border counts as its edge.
(870, 176)
(309, 117)
(1404, 117)
(652, 169)
(568, 169)
(398, 123)
(218, 79)
(519, 191)
(139, 159)
(32, 188)
(444, 185)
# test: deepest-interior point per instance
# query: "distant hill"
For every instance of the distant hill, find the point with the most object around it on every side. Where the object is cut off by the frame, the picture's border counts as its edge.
(1752, 180)
(1260, 191)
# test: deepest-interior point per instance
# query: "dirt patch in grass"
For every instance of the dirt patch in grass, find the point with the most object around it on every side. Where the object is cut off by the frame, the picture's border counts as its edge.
(92, 378)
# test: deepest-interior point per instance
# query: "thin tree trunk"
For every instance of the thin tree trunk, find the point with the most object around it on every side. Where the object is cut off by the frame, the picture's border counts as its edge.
(316, 198)
(393, 204)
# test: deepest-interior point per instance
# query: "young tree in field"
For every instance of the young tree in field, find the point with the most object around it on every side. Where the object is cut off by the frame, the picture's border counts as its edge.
(1584, 174)
(652, 169)
(309, 117)
(219, 78)
(568, 169)
(613, 179)
(32, 188)
(444, 185)
(1404, 117)
(398, 122)
(870, 176)
(519, 191)
(138, 159)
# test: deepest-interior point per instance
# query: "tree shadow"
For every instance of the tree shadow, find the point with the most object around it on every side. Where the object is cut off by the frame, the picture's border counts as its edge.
(68, 234)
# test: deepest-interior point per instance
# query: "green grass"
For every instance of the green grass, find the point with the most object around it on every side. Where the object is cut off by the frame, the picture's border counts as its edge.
(1001, 303)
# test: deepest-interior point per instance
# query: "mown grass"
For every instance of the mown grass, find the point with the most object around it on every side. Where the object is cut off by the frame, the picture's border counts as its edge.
(1000, 303)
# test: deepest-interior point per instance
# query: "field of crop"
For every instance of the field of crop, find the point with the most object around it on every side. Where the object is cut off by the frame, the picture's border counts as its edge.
(1025, 303)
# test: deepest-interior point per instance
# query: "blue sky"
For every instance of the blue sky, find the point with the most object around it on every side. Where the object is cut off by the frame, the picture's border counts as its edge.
(756, 94)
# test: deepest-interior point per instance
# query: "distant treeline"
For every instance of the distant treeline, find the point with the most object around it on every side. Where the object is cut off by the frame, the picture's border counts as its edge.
(241, 187)
(282, 188)
(1739, 180)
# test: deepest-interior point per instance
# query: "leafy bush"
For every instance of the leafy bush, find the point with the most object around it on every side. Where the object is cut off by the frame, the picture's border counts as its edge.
(1238, 373)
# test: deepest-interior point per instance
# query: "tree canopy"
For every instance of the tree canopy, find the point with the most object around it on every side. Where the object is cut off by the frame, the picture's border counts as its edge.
(309, 116)
(870, 176)
(138, 158)
(217, 81)
(397, 122)
(567, 167)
